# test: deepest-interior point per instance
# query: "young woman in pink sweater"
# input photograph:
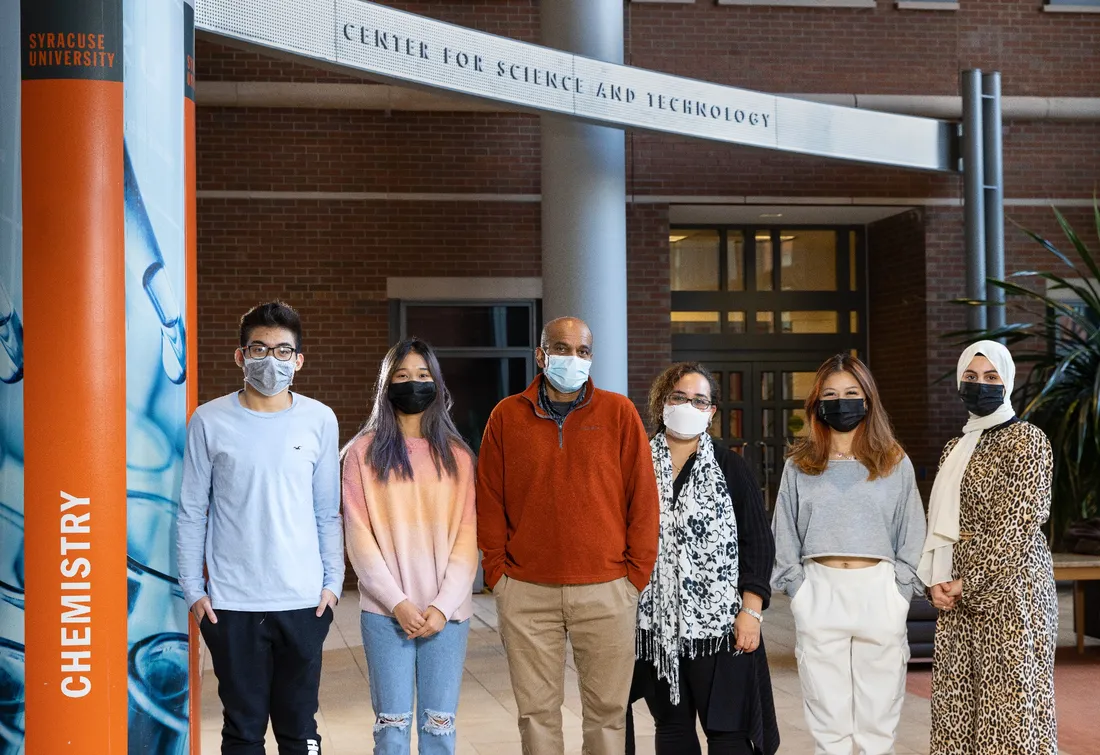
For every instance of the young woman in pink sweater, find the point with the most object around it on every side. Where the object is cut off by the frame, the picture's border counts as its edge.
(409, 522)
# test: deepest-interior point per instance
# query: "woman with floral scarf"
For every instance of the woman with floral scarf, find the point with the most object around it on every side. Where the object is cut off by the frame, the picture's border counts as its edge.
(700, 649)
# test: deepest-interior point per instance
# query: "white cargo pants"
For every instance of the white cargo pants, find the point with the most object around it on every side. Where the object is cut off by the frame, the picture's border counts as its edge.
(852, 652)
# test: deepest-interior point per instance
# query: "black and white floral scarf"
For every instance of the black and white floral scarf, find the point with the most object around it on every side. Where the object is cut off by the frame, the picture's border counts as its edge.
(689, 605)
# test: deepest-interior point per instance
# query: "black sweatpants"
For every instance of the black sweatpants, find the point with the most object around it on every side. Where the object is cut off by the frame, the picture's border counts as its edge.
(268, 666)
(675, 724)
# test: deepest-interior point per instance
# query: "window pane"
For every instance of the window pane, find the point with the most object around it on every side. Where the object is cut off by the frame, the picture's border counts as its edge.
(737, 427)
(452, 326)
(735, 322)
(797, 385)
(693, 256)
(767, 386)
(767, 423)
(808, 260)
(853, 322)
(795, 422)
(765, 262)
(853, 284)
(695, 322)
(810, 322)
(737, 391)
(735, 261)
(765, 322)
(477, 384)
(718, 380)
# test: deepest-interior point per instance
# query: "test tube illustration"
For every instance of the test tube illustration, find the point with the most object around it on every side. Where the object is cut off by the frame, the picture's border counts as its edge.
(158, 695)
(13, 665)
(143, 256)
(11, 338)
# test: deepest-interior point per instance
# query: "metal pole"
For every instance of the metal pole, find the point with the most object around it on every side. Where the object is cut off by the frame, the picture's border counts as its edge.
(994, 197)
(973, 176)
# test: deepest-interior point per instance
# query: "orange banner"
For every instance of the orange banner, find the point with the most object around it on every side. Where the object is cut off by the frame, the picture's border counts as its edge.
(75, 415)
(190, 255)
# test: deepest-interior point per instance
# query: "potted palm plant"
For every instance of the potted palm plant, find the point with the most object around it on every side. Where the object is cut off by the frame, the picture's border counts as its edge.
(1056, 341)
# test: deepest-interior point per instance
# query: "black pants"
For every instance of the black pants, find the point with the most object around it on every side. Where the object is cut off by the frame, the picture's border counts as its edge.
(268, 666)
(676, 723)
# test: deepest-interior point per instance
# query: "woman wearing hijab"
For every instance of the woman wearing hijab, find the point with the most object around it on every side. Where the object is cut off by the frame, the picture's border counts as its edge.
(700, 649)
(990, 573)
(411, 536)
(848, 531)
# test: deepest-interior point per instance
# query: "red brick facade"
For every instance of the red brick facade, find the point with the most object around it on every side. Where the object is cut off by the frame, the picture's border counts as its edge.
(331, 258)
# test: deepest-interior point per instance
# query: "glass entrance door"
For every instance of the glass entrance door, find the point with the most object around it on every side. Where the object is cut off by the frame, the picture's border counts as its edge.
(763, 307)
(760, 412)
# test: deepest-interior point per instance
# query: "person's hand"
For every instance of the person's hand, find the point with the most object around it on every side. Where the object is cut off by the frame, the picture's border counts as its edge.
(328, 600)
(434, 621)
(941, 598)
(746, 631)
(954, 589)
(409, 617)
(202, 608)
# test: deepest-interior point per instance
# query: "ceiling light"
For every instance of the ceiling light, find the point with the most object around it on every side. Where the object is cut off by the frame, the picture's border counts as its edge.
(674, 239)
(771, 214)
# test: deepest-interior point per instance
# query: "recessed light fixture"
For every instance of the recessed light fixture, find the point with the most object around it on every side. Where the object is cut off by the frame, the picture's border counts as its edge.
(771, 214)
(674, 239)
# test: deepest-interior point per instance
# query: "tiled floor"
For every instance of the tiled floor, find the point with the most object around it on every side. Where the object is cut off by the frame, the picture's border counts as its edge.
(486, 716)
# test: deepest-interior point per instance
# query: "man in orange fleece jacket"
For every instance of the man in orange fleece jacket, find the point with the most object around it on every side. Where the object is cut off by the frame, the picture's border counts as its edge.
(567, 521)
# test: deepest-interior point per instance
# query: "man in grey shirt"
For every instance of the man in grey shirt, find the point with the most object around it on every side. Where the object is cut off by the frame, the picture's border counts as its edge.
(260, 508)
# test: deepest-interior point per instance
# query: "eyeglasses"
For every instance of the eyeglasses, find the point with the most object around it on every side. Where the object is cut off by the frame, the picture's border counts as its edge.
(700, 403)
(282, 352)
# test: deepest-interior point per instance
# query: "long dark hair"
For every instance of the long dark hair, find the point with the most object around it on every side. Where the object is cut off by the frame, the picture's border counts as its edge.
(873, 444)
(386, 451)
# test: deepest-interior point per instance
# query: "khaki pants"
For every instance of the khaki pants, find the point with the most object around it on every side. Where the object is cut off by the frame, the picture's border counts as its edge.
(599, 620)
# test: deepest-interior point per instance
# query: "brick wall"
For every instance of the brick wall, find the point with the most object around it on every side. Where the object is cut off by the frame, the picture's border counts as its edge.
(881, 50)
(330, 260)
(898, 334)
(648, 300)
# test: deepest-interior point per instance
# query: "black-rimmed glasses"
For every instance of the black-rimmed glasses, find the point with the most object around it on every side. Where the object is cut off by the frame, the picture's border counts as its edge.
(700, 403)
(283, 352)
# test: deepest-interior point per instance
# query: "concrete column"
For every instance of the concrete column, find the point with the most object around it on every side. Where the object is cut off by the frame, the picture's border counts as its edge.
(584, 197)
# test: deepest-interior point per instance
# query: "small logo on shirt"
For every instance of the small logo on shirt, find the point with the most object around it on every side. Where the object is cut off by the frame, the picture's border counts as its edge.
(297, 448)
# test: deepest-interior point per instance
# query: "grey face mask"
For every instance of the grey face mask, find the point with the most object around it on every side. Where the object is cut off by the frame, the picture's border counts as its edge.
(269, 376)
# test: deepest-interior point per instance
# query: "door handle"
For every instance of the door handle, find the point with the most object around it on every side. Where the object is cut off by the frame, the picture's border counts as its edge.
(766, 469)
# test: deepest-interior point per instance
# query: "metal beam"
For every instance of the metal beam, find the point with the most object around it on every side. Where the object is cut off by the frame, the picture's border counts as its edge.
(992, 163)
(973, 212)
(400, 47)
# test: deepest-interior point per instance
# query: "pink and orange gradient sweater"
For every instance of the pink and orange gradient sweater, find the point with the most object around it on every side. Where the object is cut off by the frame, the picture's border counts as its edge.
(411, 539)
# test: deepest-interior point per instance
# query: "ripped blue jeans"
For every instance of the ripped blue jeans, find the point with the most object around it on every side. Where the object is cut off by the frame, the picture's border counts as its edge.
(399, 670)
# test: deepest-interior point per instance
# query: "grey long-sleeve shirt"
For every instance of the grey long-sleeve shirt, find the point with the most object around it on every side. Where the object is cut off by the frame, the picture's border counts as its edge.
(260, 506)
(842, 513)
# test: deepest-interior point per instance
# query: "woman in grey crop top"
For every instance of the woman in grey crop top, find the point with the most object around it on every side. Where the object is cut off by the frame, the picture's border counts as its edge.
(849, 526)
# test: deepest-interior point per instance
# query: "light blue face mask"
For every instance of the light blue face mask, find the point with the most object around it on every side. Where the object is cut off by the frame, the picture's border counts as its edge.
(567, 374)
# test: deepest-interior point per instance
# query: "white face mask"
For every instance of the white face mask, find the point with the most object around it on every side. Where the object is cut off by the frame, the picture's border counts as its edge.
(567, 374)
(685, 421)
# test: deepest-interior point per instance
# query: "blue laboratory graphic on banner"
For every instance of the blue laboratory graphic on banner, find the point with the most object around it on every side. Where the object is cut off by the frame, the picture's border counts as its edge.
(155, 373)
(12, 659)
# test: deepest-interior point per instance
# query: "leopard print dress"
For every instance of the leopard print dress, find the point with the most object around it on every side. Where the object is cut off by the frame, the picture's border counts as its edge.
(993, 666)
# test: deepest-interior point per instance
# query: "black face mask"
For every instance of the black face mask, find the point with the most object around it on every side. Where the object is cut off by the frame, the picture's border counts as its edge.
(413, 396)
(842, 414)
(982, 399)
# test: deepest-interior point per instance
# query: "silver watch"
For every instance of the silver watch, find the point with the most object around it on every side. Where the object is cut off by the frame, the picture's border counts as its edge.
(755, 614)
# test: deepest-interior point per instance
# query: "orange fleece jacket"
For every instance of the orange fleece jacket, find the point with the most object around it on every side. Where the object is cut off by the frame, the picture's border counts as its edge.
(575, 507)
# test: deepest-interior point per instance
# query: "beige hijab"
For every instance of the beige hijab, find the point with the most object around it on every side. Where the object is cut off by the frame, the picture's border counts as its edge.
(943, 507)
